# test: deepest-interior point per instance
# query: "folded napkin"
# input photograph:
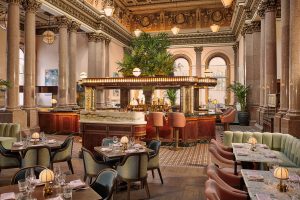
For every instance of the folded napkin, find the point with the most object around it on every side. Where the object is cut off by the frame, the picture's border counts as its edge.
(34, 140)
(263, 197)
(18, 144)
(6, 196)
(51, 141)
(270, 156)
(294, 178)
(106, 149)
(77, 184)
(117, 145)
(130, 151)
(255, 178)
(242, 154)
(56, 198)
(138, 146)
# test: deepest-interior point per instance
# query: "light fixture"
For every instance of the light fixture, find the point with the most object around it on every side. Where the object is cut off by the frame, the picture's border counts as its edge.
(124, 141)
(215, 28)
(253, 142)
(207, 73)
(3, 21)
(227, 3)
(109, 8)
(35, 137)
(48, 35)
(282, 174)
(83, 75)
(46, 176)
(175, 30)
(136, 72)
(137, 32)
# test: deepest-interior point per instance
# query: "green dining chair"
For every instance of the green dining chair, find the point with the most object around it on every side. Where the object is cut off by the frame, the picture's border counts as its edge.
(105, 183)
(36, 155)
(134, 168)
(153, 162)
(19, 175)
(92, 166)
(64, 153)
(8, 159)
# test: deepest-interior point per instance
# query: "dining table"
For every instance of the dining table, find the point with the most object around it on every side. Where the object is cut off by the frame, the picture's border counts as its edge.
(262, 185)
(21, 146)
(84, 192)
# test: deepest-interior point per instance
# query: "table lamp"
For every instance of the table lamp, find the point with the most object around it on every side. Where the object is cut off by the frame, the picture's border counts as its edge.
(36, 137)
(124, 141)
(282, 174)
(46, 176)
(253, 142)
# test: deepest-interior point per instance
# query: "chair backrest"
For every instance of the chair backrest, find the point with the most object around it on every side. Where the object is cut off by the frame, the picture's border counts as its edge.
(155, 119)
(107, 141)
(229, 117)
(10, 130)
(89, 162)
(105, 182)
(19, 175)
(176, 119)
(134, 166)
(68, 145)
(36, 155)
(155, 146)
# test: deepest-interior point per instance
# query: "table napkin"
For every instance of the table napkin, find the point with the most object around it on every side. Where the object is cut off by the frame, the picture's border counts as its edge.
(56, 198)
(263, 197)
(242, 154)
(294, 178)
(6, 196)
(255, 178)
(130, 151)
(51, 141)
(106, 149)
(76, 184)
(18, 144)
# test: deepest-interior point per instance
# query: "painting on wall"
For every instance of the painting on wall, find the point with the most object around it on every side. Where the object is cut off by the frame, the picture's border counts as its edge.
(51, 77)
(116, 92)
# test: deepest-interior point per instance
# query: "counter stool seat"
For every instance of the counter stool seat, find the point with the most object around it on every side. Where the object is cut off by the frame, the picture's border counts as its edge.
(156, 119)
(176, 121)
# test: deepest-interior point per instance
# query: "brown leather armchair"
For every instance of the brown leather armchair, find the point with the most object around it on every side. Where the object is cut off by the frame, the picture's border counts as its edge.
(228, 117)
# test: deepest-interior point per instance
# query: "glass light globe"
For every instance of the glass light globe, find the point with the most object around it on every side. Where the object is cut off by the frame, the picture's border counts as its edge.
(136, 72)
(48, 37)
(175, 30)
(137, 32)
(227, 3)
(215, 28)
(109, 10)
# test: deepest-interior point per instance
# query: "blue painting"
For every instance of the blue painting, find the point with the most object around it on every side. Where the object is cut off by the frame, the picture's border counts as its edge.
(51, 77)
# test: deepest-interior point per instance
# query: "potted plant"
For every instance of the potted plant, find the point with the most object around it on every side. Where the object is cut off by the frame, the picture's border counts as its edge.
(241, 91)
(171, 94)
(4, 85)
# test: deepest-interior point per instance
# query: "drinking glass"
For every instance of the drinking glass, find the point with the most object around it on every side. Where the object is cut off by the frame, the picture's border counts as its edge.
(22, 184)
(67, 192)
(29, 175)
(43, 137)
(31, 184)
(132, 141)
(115, 139)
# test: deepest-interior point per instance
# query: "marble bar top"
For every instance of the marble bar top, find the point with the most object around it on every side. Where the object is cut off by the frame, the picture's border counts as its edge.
(112, 122)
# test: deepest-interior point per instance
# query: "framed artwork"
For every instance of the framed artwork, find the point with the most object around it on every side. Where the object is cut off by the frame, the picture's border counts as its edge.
(180, 18)
(217, 16)
(145, 21)
(51, 77)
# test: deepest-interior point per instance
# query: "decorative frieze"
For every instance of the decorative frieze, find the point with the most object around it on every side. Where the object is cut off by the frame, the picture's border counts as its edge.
(262, 10)
(31, 5)
(271, 5)
(256, 26)
(63, 21)
(92, 37)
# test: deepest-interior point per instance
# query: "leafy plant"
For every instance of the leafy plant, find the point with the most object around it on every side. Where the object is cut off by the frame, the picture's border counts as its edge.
(4, 84)
(240, 91)
(171, 94)
(149, 54)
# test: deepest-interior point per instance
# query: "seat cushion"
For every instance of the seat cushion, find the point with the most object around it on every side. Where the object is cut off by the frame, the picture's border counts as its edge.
(227, 139)
(276, 141)
(246, 136)
(258, 137)
(267, 139)
(7, 142)
(237, 137)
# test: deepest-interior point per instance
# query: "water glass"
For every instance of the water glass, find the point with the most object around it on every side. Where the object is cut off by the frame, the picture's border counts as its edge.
(115, 140)
(132, 141)
(67, 192)
(22, 185)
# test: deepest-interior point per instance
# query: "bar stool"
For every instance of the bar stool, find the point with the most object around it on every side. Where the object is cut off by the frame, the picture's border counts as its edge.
(156, 120)
(176, 122)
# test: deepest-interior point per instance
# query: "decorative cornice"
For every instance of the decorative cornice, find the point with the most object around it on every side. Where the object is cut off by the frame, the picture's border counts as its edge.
(262, 10)
(100, 37)
(14, 1)
(92, 36)
(198, 49)
(62, 21)
(74, 26)
(235, 47)
(31, 5)
(256, 26)
(107, 40)
(271, 5)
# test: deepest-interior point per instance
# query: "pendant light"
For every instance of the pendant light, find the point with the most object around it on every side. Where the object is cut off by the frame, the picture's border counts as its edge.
(227, 3)
(48, 35)
(175, 30)
(3, 21)
(137, 32)
(215, 27)
(109, 8)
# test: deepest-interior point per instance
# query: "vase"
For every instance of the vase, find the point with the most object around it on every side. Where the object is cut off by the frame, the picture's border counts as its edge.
(243, 118)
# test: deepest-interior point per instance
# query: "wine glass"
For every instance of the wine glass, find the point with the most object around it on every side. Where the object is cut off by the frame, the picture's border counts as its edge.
(31, 184)
(132, 141)
(29, 175)
(115, 139)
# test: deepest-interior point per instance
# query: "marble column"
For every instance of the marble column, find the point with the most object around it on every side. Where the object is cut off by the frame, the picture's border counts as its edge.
(270, 49)
(285, 55)
(30, 7)
(261, 13)
(100, 71)
(74, 26)
(92, 55)
(13, 112)
(106, 66)
(198, 51)
(291, 121)
(63, 23)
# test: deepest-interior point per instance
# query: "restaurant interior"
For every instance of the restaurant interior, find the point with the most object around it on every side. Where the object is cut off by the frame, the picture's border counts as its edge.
(150, 99)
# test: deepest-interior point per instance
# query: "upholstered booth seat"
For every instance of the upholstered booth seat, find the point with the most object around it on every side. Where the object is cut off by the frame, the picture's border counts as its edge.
(9, 133)
(286, 146)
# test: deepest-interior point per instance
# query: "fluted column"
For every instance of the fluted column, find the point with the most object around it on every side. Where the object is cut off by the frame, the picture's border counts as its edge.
(270, 49)
(198, 51)
(100, 70)
(74, 26)
(235, 48)
(106, 65)
(291, 122)
(63, 23)
(92, 54)
(13, 39)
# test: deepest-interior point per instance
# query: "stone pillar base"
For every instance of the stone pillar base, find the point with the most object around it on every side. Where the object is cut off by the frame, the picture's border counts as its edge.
(253, 114)
(32, 120)
(258, 117)
(277, 121)
(15, 116)
(262, 113)
(291, 125)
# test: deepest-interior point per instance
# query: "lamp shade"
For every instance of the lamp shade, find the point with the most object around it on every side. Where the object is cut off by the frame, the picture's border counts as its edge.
(281, 173)
(136, 72)
(109, 10)
(35, 135)
(83, 75)
(48, 37)
(175, 30)
(215, 28)
(252, 140)
(53, 101)
(124, 140)
(137, 32)
(227, 3)
(46, 175)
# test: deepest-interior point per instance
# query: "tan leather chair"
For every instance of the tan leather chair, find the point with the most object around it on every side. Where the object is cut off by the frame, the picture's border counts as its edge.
(227, 118)
(176, 121)
(156, 119)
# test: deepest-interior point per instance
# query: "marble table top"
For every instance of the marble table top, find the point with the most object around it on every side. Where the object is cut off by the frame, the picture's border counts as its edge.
(262, 185)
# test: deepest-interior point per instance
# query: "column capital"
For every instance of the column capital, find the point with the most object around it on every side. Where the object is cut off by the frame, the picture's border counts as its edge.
(100, 37)
(31, 5)
(107, 40)
(14, 1)
(62, 21)
(271, 5)
(92, 36)
(198, 49)
(247, 29)
(256, 26)
(74, 26)
(262, 10)
(235, 47)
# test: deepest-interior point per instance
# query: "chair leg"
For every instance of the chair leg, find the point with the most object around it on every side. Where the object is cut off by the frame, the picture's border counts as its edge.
(91, 180)
(70, 166)
(161, 180)
(128, 190)
(147, 188)
(85, 177)
(152, 173)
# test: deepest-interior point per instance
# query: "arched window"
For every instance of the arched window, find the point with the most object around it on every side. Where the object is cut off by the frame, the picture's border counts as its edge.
(181, 67)
(217, 66)
(21, 75)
